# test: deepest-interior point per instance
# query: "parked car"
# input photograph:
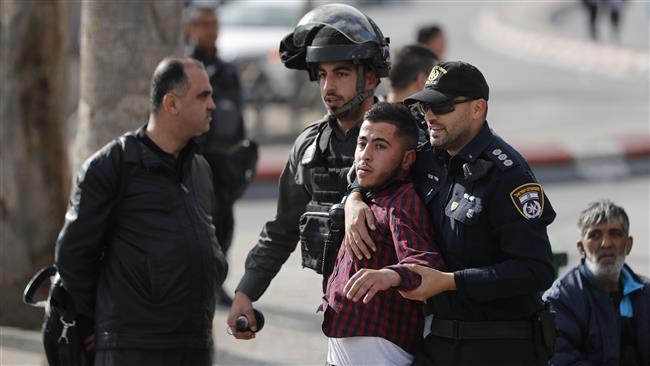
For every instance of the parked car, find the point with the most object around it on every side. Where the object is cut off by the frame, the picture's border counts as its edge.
(249, 35)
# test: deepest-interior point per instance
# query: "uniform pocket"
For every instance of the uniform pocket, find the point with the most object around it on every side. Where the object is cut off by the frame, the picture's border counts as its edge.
(314, 228)
(464, 207)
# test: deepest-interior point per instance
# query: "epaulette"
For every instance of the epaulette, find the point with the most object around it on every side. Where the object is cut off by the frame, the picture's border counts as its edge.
(501, 158)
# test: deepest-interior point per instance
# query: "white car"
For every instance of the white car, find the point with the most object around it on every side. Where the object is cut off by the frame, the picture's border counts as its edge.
(249, 35)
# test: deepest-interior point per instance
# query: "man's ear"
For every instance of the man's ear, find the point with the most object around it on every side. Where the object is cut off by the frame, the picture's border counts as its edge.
(421, 80)
(628, 245)
(408, 159)
(171, 103)
(581, 248)
(371, 80)
(478, 108)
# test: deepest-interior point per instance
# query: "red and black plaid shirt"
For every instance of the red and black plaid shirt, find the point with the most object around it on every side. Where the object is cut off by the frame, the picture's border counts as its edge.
(403, 234)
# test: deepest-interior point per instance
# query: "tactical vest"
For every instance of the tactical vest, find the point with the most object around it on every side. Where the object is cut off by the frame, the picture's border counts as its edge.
(320, 236)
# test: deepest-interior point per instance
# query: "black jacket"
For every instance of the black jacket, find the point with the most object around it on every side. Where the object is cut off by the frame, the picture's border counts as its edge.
(490, 217)
(491, 232)
(138, 249)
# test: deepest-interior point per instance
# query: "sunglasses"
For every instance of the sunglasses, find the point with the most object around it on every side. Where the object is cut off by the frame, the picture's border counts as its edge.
(440, 108)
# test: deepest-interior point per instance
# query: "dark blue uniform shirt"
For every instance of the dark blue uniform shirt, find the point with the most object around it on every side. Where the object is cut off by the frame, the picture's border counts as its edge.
(490, 218)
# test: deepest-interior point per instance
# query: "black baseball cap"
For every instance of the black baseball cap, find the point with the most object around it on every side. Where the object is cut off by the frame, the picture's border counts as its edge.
(449, 80)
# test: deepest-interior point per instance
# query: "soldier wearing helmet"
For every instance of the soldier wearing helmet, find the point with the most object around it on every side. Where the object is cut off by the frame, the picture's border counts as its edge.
(347, 54)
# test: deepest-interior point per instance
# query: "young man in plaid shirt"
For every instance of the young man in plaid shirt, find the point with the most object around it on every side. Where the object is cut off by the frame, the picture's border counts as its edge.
(366, 319)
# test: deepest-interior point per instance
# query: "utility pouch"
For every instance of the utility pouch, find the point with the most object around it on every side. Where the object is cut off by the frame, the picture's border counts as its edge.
(314, 230)
(63, 329)
(546, 332)
(320, 240)
(334, 238)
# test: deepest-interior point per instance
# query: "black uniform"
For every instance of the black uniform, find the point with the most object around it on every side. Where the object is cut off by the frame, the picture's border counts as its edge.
(226, 130)
(490, 218)
(313, 179)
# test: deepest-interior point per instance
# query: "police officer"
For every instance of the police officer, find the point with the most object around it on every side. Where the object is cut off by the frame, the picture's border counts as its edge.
(490, 218)
(232, 158)
(347, 54)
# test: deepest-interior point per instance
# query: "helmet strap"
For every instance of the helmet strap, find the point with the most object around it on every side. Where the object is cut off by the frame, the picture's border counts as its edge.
(359, 98)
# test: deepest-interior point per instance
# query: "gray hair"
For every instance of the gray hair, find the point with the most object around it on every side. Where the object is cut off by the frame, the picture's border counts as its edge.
(600, 212)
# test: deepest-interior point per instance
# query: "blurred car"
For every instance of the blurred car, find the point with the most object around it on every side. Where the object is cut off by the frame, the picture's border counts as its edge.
(249, 35)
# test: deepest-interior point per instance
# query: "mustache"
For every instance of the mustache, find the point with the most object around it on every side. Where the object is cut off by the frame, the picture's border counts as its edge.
(606, 252)
(332, 94)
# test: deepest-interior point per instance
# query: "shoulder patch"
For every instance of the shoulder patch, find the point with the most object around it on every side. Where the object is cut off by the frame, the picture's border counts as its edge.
(528, 200)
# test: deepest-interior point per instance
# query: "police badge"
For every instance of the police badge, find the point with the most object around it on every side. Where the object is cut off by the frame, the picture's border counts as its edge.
(528, 200)
(434, 75)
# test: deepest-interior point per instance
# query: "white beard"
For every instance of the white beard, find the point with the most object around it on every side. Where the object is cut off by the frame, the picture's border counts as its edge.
(603, 271)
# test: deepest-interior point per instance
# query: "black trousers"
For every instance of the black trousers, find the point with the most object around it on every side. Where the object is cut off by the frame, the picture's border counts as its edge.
(438, 351)
(157, 357)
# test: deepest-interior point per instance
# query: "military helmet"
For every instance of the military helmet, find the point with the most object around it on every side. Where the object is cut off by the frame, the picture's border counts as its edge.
(335, 32)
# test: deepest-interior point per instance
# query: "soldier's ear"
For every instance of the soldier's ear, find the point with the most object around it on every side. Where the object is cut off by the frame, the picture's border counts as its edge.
(371, 80)
(421, 80)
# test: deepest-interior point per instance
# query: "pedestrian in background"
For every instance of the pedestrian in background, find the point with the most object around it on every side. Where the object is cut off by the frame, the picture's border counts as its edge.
(613, 8)
(410, 67)
(138, 252)
(602, 306)
(232, 158)
(347, 54)
(489, 219)
(433, 36)
(366, 320)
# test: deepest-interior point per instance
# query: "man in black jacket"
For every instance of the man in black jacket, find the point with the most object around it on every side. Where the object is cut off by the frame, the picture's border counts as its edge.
(138, 251)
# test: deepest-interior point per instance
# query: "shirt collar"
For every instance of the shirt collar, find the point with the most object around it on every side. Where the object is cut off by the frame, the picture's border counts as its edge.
(187, 150)
(386, 190)
(630, 284)
(478, 144)
(354, 131)
(198, 54)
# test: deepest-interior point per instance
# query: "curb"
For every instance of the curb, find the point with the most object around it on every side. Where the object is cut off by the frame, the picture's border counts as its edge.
(268, 170)
(626, 156)
(613, 160)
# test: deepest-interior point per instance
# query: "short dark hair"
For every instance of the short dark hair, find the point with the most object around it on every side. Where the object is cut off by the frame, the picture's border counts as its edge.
(169, 75)
(399, 116)
(192, 12)
(425, 33)
(600, 212)
(408, 63)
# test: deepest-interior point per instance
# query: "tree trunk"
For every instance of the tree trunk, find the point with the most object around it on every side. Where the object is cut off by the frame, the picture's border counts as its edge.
(121, 44)
(34, 178)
